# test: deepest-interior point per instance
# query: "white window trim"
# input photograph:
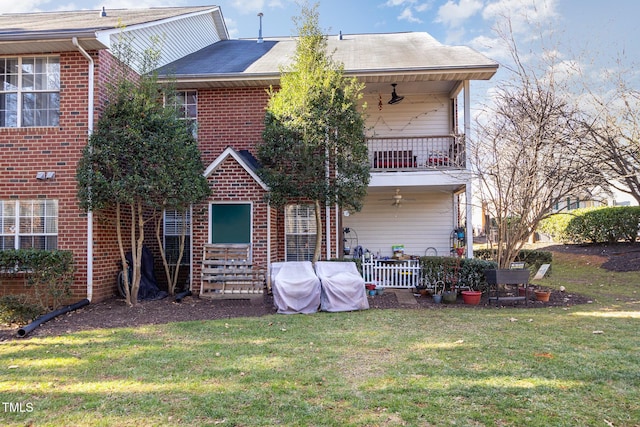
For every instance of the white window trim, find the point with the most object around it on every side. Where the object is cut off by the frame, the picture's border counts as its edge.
(20, 91)
(312, 232)
(189, 234)
(16, 233)
(233, 202)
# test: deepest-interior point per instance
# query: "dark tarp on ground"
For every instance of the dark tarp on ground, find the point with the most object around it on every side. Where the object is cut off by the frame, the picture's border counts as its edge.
(148, 285)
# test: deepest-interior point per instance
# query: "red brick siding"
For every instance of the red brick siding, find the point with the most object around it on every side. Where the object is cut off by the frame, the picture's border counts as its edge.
(235, 117)
(232, 183)
(25, 151)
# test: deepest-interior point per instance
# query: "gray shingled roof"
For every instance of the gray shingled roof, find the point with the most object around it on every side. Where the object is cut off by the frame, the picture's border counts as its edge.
(370, 56)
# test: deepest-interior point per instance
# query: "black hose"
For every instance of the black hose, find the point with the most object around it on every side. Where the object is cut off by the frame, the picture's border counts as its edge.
(180, 296)
(22, 332)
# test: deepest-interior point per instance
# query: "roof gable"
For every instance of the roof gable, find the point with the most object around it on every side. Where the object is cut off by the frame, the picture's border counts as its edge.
(243, 158)
(184, 30)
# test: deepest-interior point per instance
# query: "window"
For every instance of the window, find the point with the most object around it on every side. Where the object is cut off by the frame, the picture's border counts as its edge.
(300, 232)
(187, 102)
(174, 224)
(231, 223)
(28, 224)
(30, 92)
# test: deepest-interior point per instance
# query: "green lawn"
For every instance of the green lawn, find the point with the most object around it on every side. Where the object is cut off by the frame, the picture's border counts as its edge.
(459, 366)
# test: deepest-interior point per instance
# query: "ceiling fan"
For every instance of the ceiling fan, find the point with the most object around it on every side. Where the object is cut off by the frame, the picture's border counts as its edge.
(397, 199)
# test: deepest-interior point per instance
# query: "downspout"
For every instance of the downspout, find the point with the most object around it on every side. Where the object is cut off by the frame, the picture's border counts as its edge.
(469, 189)
(327, 208)
(90, 111)
(338, 229)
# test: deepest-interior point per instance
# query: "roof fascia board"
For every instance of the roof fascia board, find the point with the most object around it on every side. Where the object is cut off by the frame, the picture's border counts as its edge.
(275, 77)
(233, 153)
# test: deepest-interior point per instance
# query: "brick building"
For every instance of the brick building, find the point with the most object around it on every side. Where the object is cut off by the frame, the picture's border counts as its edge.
(55, 67)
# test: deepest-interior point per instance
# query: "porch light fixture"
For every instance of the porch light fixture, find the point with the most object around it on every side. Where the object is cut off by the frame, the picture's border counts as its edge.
(394, 96)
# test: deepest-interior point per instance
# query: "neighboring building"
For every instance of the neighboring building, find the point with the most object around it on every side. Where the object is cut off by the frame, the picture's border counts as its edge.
(417, 148)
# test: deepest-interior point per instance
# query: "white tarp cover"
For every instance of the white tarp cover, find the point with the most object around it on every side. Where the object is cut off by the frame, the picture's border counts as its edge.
(342, 286)
(295, 287)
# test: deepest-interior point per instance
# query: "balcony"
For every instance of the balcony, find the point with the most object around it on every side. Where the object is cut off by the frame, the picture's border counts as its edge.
(416, 153)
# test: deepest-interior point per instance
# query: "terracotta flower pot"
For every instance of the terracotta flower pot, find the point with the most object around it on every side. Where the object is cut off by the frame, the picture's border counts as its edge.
(471, 297)
(542, 296)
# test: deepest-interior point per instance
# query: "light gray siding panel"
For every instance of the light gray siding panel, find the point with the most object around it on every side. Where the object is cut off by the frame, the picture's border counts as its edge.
(416, 115)
(424, 220)
(179, 37)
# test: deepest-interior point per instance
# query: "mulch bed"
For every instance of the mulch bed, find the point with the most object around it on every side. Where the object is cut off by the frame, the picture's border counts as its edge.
(114, 313)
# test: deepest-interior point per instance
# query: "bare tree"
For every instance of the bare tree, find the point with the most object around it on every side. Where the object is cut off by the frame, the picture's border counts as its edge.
(527, 150)
(612, 125)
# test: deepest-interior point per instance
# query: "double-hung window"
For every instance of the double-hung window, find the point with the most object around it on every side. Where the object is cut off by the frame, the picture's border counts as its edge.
(175, 225)
(300, 232)
(28, 224)
(30, 91)
(187, 103)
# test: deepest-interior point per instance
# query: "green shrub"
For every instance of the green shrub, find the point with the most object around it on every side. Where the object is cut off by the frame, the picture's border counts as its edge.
(50, 273)
(556, 226)
(16, 309)
(605, 225)
(453, 271)
(594, 225)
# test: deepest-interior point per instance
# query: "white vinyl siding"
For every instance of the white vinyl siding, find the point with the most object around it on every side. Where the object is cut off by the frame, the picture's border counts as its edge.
(416, 115)
(199, 31)
(423, 220)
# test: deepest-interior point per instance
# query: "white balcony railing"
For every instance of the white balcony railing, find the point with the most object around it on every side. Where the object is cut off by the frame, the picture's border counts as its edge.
(416, 153)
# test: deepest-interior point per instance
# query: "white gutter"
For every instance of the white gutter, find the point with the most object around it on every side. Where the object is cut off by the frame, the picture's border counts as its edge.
(338, 230)
(89, 133)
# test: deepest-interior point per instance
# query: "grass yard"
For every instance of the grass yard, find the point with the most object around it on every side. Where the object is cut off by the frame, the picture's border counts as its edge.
(577, 366)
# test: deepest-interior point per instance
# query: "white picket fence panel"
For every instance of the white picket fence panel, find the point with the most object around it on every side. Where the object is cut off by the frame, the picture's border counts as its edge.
(391, 273)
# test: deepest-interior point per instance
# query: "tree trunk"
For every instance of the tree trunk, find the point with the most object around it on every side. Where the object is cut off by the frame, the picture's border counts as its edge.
(318, 249)
(123, 258)
(137, 249)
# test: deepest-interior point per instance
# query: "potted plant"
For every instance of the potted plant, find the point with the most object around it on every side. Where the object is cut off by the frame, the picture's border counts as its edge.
(421, 289)
(542, 294)
(471, 297)
(471, 276)
(437, 291)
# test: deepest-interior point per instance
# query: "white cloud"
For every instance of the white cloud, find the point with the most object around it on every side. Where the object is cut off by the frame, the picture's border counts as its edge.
(12, 6)
(407, 15)
(423, 7)
(393, 3)
(522, 13)
(454, 14)
(409, 9)
(248, 6)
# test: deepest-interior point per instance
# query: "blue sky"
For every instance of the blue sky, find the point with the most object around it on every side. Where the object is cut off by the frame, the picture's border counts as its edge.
(592, 23)
(592, 32)
(600, 29)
